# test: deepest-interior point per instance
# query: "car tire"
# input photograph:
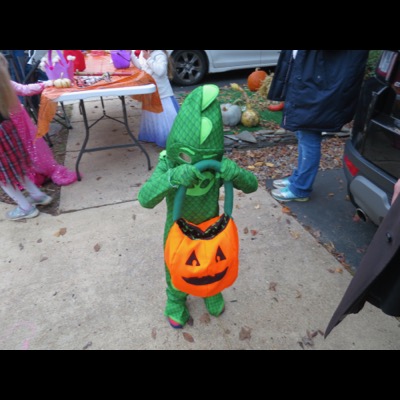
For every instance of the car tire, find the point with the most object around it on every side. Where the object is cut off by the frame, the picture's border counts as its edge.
(190, 67)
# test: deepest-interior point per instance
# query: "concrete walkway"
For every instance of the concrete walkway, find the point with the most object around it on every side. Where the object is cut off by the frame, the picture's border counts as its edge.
(93, 276)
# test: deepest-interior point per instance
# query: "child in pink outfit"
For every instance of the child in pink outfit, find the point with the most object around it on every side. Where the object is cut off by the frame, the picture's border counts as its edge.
(23, 158)
(44, 166)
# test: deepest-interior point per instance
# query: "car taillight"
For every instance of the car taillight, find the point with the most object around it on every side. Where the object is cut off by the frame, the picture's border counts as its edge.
(386, 64)
(350, 166)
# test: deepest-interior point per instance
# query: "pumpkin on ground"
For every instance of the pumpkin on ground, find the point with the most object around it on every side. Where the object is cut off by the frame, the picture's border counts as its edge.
(231, 114)
(256, 79)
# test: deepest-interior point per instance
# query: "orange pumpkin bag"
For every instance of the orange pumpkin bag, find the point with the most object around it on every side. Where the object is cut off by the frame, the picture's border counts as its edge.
(203, 259)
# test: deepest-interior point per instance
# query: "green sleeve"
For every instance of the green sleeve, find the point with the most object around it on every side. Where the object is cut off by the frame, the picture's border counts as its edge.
(245, 181)
(157, 187)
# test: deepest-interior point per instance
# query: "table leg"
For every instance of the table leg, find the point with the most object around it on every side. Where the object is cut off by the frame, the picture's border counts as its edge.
(136, 141)
(125, 122)
(87, 129)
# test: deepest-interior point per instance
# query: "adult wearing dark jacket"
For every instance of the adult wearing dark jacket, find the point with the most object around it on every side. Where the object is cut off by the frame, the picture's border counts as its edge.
(320, 89)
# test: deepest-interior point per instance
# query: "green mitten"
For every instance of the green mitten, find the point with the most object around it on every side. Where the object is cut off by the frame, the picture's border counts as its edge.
(185, 175)
(229, 170)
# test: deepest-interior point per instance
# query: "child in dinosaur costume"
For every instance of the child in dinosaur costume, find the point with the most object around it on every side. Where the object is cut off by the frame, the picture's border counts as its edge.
(196, 135)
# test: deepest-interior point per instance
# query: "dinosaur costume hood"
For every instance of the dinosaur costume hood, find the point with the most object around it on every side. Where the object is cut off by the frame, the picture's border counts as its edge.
(197, 133)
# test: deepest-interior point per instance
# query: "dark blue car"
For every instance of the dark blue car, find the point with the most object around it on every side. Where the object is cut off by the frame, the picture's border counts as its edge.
(372, 154)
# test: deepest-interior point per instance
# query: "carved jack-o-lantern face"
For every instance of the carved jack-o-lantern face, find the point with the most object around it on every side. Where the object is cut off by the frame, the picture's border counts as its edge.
(203, 259)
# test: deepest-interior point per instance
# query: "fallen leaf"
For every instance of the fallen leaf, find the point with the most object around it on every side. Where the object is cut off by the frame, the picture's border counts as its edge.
(286, 210)
(90, 344)
(299, 295)
(332, 271)
(295, 235)
(339, 271)
(270, 165)
(43, 259)
(307, 341)
(188, 337)
(61, 232)
(272, 286)
(254, 232)
(330, 246)
(317, 234)
(245, 333)
(205, 319)
(312, 334)
(97, 248)
(246, 231)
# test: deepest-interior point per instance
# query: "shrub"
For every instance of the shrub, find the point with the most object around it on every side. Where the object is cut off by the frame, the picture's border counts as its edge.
(373, 59)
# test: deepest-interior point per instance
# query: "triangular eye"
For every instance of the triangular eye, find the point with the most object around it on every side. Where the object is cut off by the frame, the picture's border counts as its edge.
(193, 261)
(220, 255)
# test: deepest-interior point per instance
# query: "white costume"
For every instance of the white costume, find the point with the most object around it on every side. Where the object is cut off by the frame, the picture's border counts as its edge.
(154, 127)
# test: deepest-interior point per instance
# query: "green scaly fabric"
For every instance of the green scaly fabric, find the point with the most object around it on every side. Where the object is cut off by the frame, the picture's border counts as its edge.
(197, 134)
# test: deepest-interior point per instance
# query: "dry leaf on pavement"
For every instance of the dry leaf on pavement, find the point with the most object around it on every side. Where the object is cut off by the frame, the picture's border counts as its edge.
(61, 232)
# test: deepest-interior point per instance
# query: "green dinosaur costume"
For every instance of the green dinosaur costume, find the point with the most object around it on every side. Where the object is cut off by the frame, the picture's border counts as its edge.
(196, 135)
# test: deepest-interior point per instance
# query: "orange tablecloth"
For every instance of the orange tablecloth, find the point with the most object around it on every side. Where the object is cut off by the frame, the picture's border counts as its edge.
(120, 78)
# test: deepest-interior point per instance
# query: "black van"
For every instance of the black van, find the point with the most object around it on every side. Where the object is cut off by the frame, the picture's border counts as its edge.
(372, 154)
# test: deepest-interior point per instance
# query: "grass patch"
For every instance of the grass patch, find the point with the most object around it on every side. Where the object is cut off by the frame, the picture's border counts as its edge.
(269, 119)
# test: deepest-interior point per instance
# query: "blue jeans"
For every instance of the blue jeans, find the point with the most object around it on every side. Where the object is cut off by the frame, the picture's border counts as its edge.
(309, 149)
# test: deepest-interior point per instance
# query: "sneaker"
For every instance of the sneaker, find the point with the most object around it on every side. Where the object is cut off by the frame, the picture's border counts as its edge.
(284, 194)
(43, 201)
(281, 183)
(174, 324)
(18, 213)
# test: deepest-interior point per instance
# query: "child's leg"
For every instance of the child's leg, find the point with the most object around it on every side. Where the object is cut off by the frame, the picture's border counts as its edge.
(17, 196)
(215, 304)
(36, 196)
(32, 189)
(24, 209)
(176, 309)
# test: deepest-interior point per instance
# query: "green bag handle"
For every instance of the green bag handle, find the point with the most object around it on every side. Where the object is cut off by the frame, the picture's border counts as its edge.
(203, 166)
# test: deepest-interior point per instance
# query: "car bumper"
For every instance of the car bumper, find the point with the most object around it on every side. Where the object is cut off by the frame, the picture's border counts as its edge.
(372, 200)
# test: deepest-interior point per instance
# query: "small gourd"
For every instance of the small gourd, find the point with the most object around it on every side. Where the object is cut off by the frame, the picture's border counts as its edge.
(250, 117)
(231, 114)
(62, 82)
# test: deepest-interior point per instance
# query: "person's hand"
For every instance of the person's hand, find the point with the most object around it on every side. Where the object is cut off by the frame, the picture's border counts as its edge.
(185, 175)
(396, 191)
(48, 83)
(229, 170)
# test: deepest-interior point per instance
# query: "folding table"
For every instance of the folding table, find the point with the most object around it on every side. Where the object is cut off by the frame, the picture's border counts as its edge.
(129, 82)
(101, 93)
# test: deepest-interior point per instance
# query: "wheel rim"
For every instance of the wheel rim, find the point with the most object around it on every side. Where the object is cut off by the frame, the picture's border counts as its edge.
(189, 67)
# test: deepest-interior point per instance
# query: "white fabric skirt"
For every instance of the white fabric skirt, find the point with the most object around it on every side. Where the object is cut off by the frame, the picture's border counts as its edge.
(155, 128)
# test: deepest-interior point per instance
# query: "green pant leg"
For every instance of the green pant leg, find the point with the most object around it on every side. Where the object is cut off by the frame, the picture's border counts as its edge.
(215, 305)
(176, 303)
